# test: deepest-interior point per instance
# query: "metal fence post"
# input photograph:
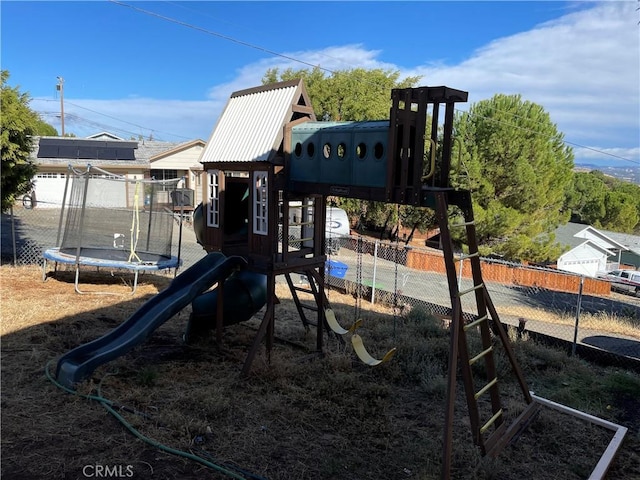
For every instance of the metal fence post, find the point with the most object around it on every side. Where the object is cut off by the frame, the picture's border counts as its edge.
(373, 280)
(578, 308)
(13, 238)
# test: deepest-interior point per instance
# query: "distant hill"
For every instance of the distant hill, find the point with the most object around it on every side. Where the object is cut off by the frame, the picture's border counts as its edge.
(628, 174)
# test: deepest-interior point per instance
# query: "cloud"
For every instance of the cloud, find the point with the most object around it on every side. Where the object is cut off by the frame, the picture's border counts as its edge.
(583, 68)
(331, 59)
(170, 120)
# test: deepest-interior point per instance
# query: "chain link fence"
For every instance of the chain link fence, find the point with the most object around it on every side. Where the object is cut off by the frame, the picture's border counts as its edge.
(27, 232)
(581, 314)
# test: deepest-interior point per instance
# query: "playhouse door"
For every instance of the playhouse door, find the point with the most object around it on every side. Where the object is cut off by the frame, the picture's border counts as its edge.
(236, 211)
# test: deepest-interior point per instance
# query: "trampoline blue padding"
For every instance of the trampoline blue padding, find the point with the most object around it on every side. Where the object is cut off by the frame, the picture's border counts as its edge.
(109, 258)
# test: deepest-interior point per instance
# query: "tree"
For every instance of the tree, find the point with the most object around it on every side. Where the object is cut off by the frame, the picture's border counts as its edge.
(351, 95)
(604, 202)
(43, 129)
(622, 213)
(346, 95)
(586, 198)
(516, 164)
(18, 126)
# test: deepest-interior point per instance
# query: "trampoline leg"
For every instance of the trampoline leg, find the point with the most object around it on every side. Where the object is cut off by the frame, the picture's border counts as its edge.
(77, 279)
(44, 269)
(135, 282)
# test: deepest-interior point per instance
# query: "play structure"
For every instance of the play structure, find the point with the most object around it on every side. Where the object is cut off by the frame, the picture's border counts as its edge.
(269, 167)
(114, 222)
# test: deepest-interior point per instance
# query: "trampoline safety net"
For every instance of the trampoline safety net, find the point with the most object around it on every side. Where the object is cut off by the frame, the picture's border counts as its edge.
(115, 218)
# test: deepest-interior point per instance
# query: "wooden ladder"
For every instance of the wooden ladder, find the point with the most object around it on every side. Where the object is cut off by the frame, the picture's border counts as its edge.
(489, 428)
(319, 297)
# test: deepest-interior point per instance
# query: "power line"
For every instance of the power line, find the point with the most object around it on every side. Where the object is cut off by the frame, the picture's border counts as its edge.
(151, 130)
(293, 59)
(240, 42)
(220, 35)
(529, 130)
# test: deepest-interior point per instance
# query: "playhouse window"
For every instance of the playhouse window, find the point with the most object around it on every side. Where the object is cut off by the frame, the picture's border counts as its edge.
(260, 203)
(213, 203)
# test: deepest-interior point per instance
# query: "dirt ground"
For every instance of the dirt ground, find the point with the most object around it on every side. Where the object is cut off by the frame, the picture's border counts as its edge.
(167, 410)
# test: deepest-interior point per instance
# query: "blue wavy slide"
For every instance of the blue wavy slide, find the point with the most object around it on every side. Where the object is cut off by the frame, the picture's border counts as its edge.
(80, 362)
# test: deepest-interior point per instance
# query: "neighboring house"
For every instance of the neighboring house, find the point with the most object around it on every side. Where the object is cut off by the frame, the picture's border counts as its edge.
(631, 256)
(130, 158)
(591, 252)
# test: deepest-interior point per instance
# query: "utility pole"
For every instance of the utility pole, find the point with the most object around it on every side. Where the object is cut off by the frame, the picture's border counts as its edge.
(60, 88)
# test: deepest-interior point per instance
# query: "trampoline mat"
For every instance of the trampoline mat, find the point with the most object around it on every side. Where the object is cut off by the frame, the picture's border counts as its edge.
(116, 258)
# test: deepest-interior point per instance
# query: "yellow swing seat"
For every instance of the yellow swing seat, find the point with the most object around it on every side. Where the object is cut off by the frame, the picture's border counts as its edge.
(365, 356)
(336, 327)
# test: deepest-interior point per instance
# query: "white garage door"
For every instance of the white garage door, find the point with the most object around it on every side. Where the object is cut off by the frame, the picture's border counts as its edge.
(49, 188)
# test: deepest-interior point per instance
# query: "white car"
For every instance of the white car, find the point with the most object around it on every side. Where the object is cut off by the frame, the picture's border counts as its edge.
(624, 280)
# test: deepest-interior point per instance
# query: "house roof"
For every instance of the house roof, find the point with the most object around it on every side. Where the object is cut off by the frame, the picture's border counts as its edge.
(586, 246)
(250, 128)
(105, 136)
(177, 149)
(631, 242)
(574, 234)
(91, 150)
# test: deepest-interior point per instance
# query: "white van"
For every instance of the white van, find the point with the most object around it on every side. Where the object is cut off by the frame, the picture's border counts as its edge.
(624, 280)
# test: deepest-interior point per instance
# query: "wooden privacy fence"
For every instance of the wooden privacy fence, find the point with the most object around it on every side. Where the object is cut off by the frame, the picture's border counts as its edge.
(512, 274)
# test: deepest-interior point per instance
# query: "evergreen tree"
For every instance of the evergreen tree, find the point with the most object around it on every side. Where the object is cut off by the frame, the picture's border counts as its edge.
(18, 126)
(516, 164)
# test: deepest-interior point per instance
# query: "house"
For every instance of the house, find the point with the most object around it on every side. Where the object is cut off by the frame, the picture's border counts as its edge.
(591, 251)
(134, 159)
(631, 256)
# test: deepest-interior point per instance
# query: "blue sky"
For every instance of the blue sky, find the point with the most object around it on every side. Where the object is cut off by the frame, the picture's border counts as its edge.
(167, 68)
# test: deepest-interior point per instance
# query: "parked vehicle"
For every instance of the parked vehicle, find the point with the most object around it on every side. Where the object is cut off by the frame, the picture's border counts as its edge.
(627, 281)
(337, 226)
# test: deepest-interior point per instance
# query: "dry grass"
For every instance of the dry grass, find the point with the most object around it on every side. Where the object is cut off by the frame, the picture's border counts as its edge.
(296, 416)
(606, 322)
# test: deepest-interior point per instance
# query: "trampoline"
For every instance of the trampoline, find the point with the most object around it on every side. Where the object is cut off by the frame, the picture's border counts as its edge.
(115, 222)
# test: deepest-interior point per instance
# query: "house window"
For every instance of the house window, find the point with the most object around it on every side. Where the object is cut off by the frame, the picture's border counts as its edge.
(164, 175)
(48, 175)
(213, 200)
(260, 203)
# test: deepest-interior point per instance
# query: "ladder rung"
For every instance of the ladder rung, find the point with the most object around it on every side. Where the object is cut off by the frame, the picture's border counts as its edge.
(491, 421)
(480, 355)
(472, 289)
(475, 323)
(463, 224)
(486, 387)
(465, 256)
(302, 289)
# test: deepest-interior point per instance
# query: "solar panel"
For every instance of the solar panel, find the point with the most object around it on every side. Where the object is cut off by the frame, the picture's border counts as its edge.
(47, 151)
(86, 149)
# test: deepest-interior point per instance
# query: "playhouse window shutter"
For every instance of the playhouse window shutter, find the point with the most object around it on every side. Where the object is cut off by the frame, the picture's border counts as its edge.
(260, 203)
(213, 201)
